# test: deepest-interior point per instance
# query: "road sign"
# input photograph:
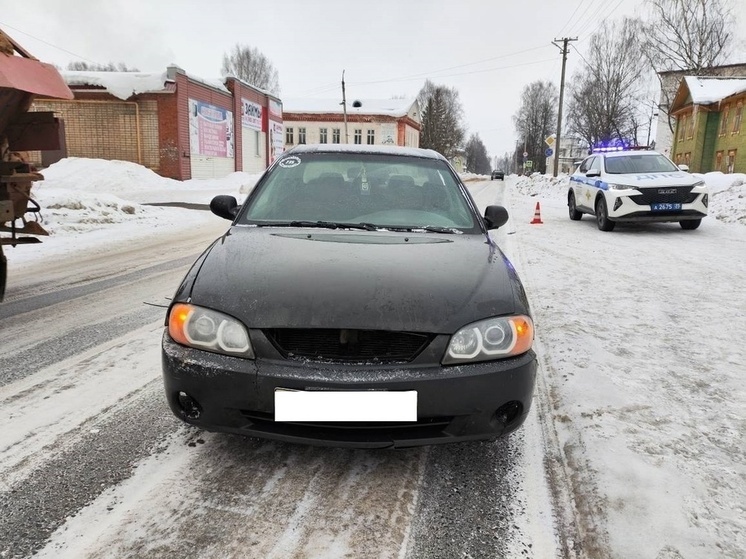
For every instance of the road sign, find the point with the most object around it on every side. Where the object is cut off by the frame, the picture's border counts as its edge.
(549, 141)
(548, 152)
(528, 164)
(525, 154)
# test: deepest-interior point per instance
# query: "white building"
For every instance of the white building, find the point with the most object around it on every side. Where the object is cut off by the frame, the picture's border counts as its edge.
(571, 150)
(369, 121)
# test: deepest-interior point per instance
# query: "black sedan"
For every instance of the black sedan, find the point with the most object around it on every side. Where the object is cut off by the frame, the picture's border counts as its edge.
(356, 300)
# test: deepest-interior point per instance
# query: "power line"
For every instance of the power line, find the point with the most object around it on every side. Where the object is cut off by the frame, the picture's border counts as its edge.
(581, 16)
(573, 15)
(48, 43)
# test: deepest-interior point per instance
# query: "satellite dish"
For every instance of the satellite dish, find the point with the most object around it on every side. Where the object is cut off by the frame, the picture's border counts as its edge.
(357, 104)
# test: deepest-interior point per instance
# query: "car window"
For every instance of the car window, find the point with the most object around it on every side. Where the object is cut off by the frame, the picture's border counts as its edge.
(584, 165)
(385, 190)
(639, 163)
(595, 164)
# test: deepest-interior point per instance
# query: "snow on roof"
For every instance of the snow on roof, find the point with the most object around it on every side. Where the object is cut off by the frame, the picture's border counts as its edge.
(712, 90)
(126, 84)
(389, 107)
(120, 84)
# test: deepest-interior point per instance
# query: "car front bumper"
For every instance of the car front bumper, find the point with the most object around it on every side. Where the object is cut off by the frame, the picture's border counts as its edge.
(622, 207)
(454, 403)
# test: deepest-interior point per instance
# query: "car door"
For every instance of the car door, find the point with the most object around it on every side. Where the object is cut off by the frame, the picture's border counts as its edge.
(580, 183)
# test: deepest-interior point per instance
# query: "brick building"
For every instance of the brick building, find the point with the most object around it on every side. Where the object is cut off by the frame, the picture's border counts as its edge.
(710, 134)
(371, 121)
(175, 124)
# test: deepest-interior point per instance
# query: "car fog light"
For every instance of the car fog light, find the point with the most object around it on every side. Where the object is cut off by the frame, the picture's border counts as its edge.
(618, 204)
(704, 200)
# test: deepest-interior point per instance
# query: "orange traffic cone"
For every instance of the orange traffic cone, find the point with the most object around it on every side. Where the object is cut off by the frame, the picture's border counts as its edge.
(537, 215)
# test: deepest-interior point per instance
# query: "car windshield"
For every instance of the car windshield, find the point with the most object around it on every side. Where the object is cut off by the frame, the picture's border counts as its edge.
(639, 163)
(377, 190)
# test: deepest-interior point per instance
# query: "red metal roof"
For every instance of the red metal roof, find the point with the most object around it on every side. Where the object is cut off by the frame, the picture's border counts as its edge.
(32, 76)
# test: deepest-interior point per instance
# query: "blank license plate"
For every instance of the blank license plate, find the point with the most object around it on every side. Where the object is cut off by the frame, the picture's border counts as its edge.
(665, 206)
(342, 405)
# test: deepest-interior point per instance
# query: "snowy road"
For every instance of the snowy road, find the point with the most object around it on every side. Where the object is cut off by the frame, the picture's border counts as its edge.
(634, 446)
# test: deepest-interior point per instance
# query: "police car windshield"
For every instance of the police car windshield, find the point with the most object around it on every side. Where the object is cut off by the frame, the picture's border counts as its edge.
(639, 163)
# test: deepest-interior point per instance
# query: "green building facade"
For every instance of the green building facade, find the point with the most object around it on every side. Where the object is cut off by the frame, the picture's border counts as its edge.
(710, 133)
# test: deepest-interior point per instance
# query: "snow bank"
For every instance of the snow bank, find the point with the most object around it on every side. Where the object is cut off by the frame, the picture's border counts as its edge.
(80, 194)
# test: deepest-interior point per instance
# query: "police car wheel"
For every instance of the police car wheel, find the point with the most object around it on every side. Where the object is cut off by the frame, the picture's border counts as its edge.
(575, 215)
(690, 224)
(602, 216)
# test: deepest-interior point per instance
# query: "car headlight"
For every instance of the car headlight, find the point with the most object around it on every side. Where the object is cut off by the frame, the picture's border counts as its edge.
(698, 184)
(493, 338)
(210, 330)
(620, 187)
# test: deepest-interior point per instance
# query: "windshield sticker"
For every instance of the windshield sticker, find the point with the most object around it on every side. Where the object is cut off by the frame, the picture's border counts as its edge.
(291, 161)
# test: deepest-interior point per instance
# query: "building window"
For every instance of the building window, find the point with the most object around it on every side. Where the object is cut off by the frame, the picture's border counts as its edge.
(724, 121)
(301, 135)
(335, 135)
(731, 161)
(682, 125)
(289, 136)
(687, 157)
(719, 161)
(322, 136)
(737, 119)
(358, 136)
(371, 137)
(690, 127)
(257, 152)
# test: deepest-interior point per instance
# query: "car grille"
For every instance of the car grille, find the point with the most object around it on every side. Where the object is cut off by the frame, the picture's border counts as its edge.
(672, 194)
(347, 346)
(430, 427)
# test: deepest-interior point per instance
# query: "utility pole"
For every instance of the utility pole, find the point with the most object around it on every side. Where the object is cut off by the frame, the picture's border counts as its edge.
(344, 108)
(563, 50)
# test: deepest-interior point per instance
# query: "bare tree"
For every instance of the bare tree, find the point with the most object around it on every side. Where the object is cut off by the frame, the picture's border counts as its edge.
(535, 120)
(253, 67)
(605, 94)
(477, 160)
(79, 65)
(691, 35)
(442, 115)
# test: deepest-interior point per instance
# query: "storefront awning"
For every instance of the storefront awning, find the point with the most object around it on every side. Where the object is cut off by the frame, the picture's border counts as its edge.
(32, 76)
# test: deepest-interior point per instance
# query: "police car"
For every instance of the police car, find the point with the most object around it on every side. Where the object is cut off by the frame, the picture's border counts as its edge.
(635, 186)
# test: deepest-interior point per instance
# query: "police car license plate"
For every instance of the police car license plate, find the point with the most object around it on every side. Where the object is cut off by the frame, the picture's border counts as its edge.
(665, 206)
(345, 405)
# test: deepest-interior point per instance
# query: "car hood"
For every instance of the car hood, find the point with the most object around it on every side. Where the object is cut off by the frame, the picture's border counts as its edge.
(417, 282)
(652, 180)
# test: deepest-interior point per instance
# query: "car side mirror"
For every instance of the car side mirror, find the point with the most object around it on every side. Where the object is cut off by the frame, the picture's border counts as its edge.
(495, 216)
(224, 206)
(684, 168)
(593, 173)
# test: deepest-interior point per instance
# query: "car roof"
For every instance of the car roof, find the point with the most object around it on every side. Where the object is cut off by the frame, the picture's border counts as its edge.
(366, 149)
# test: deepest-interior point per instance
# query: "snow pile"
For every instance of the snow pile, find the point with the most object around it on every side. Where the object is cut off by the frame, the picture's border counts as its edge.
(80, 194)
(727, 192)
(465, 177)
(727, 196)
(543, 185)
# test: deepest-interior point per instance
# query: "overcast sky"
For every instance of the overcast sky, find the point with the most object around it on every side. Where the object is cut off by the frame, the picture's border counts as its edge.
(488, 49)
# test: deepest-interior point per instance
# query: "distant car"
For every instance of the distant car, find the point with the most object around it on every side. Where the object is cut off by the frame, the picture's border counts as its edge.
(357, 299)
(497, 175)
(636, 186)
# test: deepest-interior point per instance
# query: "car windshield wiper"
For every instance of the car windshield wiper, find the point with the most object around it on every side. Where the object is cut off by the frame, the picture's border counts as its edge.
(321, 224)
(428, 228)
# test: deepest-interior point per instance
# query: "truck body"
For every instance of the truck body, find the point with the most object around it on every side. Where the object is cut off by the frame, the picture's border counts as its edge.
(23, 77)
